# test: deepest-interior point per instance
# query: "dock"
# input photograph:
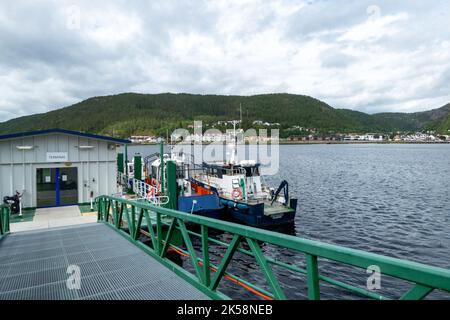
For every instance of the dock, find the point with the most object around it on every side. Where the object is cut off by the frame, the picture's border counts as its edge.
(125, 255)
(48, 218)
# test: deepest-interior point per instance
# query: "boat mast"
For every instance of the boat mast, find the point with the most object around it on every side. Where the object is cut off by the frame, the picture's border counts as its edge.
(233, 157)
(240, 113)
(234, 151)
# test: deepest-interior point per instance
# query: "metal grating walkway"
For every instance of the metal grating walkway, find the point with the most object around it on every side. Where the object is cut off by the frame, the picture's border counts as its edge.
(33, 265)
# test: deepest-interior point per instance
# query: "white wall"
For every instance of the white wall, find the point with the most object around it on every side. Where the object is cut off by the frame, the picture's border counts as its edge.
(96, 166)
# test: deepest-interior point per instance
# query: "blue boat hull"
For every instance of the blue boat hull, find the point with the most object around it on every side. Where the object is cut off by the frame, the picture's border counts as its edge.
(253, 215)
(207, 205)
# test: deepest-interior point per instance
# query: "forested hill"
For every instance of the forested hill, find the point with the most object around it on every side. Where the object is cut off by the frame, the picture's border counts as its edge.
(131, 114)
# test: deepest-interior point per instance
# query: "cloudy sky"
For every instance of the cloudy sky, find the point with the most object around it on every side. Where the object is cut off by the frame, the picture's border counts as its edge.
(370, 56)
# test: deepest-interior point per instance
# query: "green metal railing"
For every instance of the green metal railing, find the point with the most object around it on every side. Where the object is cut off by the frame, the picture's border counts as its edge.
(4, 220)
(129, 217)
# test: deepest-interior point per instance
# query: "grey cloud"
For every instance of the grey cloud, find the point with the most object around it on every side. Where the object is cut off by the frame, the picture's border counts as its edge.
(333, 59)
(45, 65)
(326, 16)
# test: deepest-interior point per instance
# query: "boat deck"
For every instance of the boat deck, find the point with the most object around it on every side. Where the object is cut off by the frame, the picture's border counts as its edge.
(34, 264)
(270, 210)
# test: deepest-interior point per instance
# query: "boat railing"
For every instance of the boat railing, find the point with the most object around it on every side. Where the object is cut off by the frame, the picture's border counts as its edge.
(149, 193)
(315, 263)
(5, 212)
(142, 189)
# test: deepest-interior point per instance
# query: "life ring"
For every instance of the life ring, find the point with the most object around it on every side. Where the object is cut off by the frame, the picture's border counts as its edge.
(236, 193)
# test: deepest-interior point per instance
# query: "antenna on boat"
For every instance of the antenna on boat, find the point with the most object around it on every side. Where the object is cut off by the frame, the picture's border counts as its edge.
(234, 151)
(240, 113)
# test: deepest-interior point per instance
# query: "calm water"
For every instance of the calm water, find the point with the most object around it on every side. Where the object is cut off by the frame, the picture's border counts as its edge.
(388, 199)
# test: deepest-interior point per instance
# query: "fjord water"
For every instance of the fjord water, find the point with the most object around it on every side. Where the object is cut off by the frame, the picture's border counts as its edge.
(391, 199)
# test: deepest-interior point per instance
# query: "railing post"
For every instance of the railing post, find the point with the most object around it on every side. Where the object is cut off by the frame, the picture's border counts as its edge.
(168, 238)
(138, 225)
(103, 211)
(118, 220)
(103, 208)
(205, 252)
(114, 205)
(266, 269)
(107, 209)
(132, 221)
(158, 233)
(4, 220)
(313, 277)
(7, 217)
(2, 210)
(234, 244)
(152, 232)
(190, 248)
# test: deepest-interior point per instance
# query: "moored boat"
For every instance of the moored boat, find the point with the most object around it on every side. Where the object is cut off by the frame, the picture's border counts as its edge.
(189, 198)
(240, 186)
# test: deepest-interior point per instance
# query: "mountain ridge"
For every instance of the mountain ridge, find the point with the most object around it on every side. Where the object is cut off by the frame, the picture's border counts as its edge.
(130, 113)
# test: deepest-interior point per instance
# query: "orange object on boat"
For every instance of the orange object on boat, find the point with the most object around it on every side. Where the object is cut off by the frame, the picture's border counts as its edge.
(199, 189)
(202, 191)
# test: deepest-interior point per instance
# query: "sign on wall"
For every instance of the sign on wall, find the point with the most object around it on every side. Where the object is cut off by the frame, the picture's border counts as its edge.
(57, 156)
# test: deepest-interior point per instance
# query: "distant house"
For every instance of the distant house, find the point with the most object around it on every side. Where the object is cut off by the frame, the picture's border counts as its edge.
(295, 138)
(374, 137)
(142, 139)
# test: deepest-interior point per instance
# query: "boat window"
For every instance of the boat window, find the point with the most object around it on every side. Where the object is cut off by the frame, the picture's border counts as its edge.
(180, 173)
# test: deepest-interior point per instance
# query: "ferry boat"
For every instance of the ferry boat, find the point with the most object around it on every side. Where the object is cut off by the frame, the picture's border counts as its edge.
(190, 198)
(240, 186)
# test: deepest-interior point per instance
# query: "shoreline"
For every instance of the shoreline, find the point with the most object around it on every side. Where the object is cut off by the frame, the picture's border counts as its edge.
(322, 142)
(363, 142)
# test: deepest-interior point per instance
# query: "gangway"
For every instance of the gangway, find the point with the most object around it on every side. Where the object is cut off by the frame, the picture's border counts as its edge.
(44, 265)
(126, 256)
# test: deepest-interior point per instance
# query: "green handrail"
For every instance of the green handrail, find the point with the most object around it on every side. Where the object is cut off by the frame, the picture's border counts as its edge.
(127, 216)
(4, 219)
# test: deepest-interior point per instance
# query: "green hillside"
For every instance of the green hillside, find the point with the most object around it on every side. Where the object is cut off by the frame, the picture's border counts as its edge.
(130, 113)
(432, 119)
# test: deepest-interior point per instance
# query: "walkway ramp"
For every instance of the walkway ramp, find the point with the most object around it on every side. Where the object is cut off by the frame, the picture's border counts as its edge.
(33, 265)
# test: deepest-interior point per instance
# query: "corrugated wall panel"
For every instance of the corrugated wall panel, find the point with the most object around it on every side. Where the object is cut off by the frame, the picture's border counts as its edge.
(5, 154)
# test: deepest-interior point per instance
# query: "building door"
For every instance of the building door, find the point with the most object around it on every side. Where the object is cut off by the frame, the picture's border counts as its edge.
(46, 187)
(68, 186)
(56, 187)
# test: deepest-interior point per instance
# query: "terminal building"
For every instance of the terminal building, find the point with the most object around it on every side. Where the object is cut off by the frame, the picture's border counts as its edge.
(57, 167)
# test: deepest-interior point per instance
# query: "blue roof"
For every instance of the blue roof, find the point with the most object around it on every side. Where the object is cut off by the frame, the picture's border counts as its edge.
(63, 131)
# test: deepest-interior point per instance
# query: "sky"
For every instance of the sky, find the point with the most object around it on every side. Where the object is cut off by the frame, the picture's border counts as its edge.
(371, 56)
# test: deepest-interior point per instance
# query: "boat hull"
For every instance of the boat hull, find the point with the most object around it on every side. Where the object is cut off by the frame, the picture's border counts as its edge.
(259, 215)
(207, 205)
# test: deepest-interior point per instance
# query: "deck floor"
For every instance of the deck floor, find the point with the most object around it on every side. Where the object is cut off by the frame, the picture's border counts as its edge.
(46, 218)
(33, 265)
